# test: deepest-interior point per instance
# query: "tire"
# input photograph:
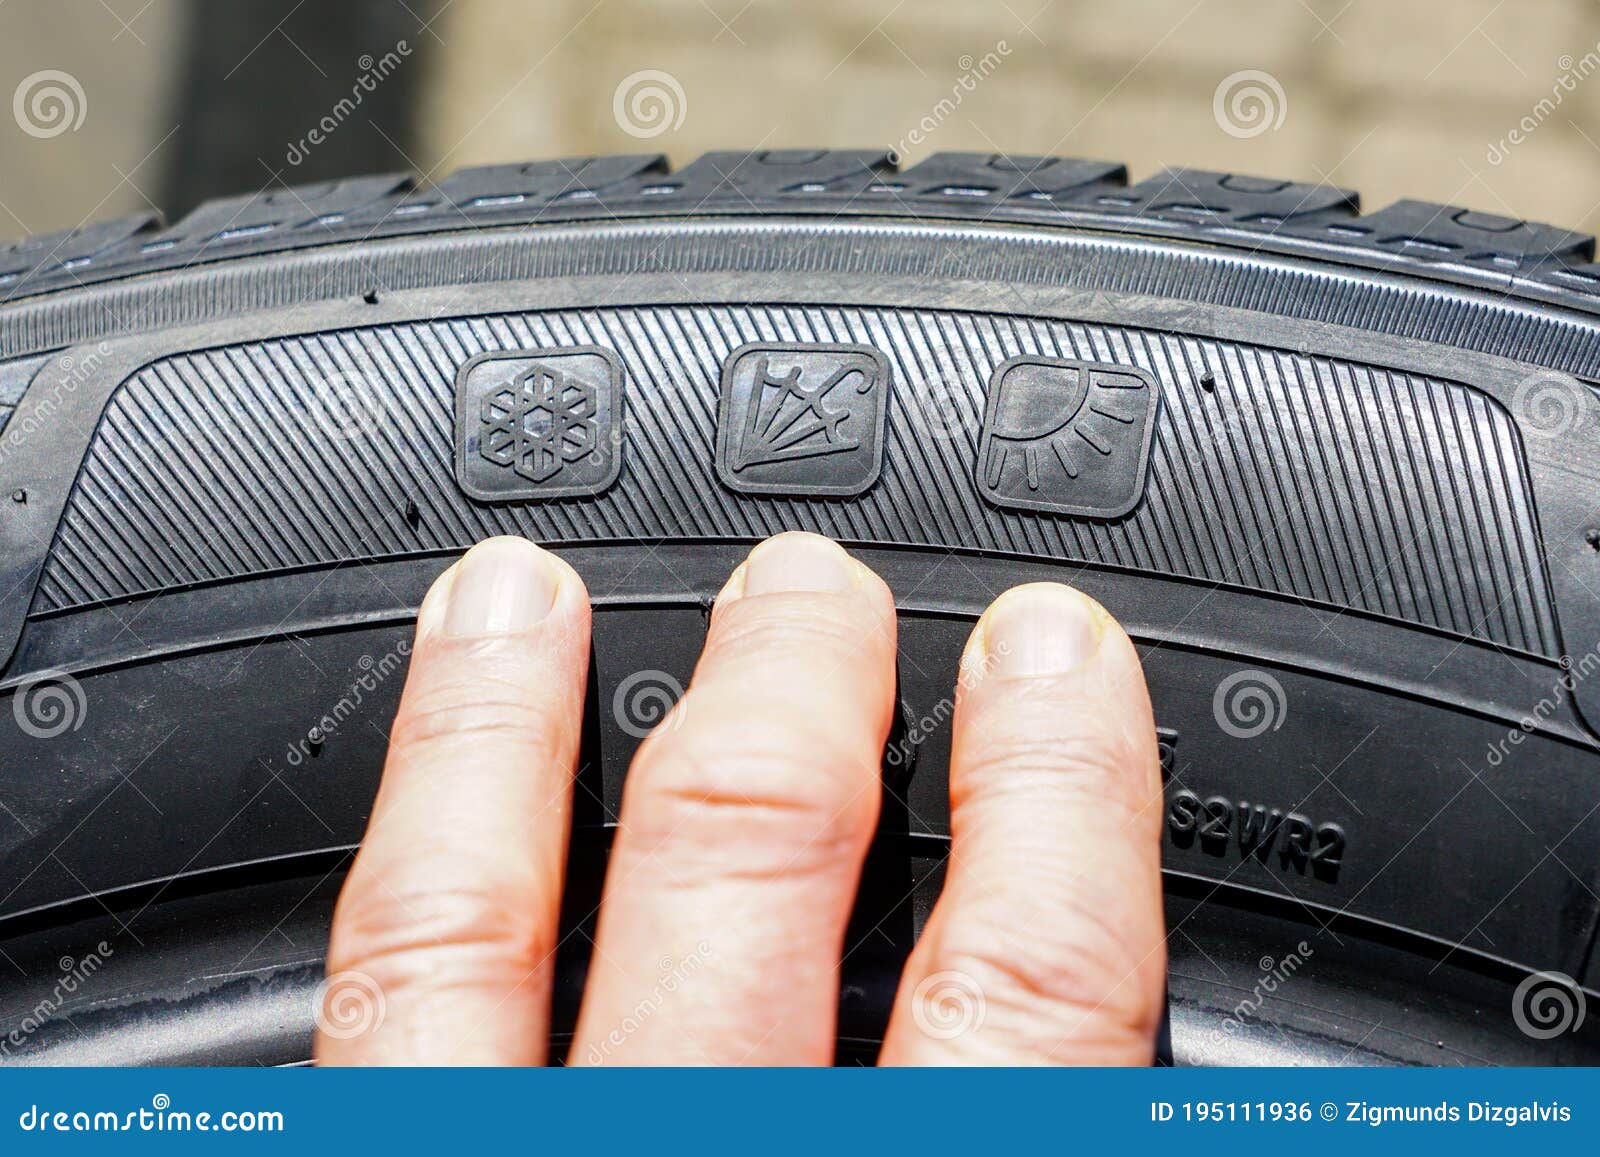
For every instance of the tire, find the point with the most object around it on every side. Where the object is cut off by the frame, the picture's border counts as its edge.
(1336, 473)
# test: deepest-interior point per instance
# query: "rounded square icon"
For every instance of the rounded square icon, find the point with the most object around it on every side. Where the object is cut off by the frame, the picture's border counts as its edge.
(802, 419)
(544, 423)
(1066, 436)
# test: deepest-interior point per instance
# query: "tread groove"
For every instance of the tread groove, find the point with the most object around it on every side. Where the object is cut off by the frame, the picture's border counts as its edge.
(264, 491)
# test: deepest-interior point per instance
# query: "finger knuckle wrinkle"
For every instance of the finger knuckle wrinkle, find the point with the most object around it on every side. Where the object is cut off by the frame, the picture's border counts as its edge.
(825, 625)
(812, 789)
(1095, 765)
(463, 719)
(404, 933)
(1066, 983)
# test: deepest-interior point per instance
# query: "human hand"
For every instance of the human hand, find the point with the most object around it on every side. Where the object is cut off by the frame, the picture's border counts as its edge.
(745, 820)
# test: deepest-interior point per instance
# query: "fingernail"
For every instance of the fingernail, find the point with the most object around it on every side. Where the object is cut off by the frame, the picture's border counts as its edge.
(798, 562)
(501, 586)
(1041, 629)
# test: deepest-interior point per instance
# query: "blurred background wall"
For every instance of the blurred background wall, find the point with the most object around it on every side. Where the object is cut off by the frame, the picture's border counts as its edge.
(123, 105)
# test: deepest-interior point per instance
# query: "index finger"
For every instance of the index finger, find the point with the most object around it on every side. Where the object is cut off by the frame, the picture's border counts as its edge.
(444, 939)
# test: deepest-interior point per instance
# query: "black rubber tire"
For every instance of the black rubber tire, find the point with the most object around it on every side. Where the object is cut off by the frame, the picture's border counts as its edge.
(1337, 474)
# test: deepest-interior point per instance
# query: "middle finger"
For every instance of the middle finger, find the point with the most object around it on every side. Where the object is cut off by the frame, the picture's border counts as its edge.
(744, 824)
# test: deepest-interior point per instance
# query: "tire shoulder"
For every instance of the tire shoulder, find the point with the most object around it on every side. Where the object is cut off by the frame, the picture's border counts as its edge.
(1250, 213)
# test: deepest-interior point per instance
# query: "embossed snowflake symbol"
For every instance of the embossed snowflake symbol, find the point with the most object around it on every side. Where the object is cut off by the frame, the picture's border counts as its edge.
(541, 422)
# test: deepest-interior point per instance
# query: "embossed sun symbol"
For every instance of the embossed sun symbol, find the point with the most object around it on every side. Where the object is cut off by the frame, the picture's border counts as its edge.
(1072, 415)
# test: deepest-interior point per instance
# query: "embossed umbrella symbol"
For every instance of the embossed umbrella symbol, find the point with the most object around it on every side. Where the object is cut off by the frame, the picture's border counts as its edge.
(777, 431)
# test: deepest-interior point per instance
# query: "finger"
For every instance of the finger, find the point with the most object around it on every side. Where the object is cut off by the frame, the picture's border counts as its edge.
(443, 941)
(1047, 944)
(744, 824)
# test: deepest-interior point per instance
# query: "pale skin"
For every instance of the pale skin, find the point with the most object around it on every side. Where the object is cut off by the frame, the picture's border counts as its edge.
(745, 820)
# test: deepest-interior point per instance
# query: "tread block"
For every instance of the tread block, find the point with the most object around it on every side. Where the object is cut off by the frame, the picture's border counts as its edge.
(505, 186)
(1035, 178)
(776, 173)
(328, 203)
(1441, 232)
(58, 254)
(1239, 200)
